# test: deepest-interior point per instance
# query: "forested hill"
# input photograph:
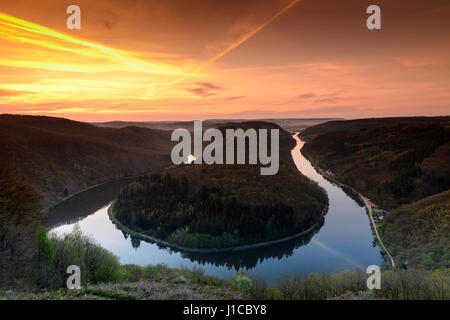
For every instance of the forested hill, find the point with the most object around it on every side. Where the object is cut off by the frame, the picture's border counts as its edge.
(363, 124)
(418, 234)
(393, 161)
(61, 156)
(246, 181)
(212, 206)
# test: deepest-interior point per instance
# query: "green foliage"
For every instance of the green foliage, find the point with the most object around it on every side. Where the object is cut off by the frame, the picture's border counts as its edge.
(45, 247)
(242, 283)
(418, 233)
(401, 284)
(96, 263)
(135, 273)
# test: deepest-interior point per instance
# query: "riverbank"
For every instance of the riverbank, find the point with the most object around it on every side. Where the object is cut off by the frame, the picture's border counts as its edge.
(363, 200)
(209, 250)
(369, 209)
(89, 188)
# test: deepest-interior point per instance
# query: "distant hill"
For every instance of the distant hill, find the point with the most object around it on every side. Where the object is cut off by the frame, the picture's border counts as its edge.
(292, 125)
(392, 160)
(61, 156)
(346, 125)
(418, 233)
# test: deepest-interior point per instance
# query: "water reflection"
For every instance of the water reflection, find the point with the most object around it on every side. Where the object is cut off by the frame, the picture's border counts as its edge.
(249, 259)
(237, 260)
(344, 241)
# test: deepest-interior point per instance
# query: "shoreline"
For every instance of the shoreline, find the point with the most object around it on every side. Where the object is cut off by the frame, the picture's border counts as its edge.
(208, 250)
(384, 251)
(58, 202)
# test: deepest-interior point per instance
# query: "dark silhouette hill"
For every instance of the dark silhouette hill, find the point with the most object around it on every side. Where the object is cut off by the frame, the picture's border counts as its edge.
(393, 160)
(61, 156)
(359, 124)
(290, 124)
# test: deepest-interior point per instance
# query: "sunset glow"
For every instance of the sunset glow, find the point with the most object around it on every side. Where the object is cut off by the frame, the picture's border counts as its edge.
(185, 60)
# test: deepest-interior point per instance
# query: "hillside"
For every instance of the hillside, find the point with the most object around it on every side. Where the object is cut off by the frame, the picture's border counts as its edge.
(288, 184)
(61, 156)
(292, 125)
(18, 222)
(224, 205)
(313, 131)
(418, 233)
(393, 161)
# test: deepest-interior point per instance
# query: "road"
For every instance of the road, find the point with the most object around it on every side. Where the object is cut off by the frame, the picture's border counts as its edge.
(369, 205)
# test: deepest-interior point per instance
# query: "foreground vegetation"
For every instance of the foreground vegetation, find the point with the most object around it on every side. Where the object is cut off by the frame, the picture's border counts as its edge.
(104, 278)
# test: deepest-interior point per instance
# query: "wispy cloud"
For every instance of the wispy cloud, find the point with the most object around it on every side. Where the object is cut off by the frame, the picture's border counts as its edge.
(13, 93)
(306, 95)
(205, 89)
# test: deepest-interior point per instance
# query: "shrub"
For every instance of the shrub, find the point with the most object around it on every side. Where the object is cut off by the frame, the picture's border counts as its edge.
(242, 283)
(96, 263)
(136, 273)
(45, 247)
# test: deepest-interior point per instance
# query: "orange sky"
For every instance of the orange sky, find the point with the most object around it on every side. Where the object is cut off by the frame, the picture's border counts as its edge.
(198, 59)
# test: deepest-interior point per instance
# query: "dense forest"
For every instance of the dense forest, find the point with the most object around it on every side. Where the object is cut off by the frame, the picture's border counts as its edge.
(18, 222)
(395, 163)
(418, 234)
(164, 207)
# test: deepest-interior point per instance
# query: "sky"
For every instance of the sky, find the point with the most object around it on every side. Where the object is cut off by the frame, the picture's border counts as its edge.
(198, 59)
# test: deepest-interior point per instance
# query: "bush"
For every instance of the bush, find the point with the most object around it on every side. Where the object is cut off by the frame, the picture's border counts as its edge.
(136, 273)
(242, 283)
(96, 263)
(400, 284)
(45, 247)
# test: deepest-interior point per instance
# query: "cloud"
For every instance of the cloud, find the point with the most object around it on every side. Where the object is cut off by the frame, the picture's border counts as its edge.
(208, 85)
(201, 92)
(12, 93)
(205, 89)
(326, 100)
(299, 113)
(306, 95)
(234, 98)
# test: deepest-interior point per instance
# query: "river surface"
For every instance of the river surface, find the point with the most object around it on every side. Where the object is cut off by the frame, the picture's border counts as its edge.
(343, 242)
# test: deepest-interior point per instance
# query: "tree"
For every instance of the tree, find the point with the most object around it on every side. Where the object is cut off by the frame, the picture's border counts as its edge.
(45, 247)
(184, 187)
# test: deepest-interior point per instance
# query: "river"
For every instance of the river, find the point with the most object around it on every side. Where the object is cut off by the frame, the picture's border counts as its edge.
(343, 242)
